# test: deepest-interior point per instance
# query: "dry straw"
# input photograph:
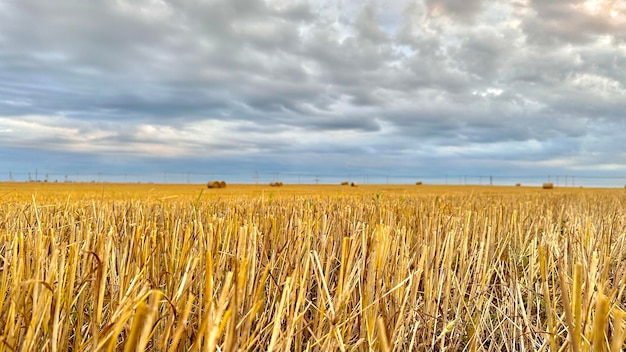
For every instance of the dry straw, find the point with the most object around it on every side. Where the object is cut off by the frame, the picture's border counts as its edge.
(410, 271)
(216, 184)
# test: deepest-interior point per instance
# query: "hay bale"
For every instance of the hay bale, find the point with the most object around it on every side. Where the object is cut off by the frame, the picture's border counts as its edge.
(345, 183)
(548, 185)
(222, 184)
(213, 184)
(354, 184)
(518, 185)
(418, 183)
(276, 184)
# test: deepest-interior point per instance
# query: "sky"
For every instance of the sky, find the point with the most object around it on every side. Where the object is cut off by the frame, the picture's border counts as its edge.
(249, 90)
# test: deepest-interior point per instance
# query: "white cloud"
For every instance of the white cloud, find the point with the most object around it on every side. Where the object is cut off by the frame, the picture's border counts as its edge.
(243, 78)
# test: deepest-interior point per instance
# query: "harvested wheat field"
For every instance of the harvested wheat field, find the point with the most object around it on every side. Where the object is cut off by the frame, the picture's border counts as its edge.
(321, 268)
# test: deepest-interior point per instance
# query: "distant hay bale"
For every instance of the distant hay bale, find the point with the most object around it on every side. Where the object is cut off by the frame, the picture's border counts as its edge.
(345, 183)
(216, 184)
(548, 185)
(418, 183)
(354, 184)
(276, 184)
(518, 185)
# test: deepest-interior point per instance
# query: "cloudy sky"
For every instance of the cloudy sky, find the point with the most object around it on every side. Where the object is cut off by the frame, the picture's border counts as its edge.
(313, 87)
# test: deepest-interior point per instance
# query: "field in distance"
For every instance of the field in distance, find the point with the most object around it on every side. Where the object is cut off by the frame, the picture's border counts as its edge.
(25, 190)
(121, 267)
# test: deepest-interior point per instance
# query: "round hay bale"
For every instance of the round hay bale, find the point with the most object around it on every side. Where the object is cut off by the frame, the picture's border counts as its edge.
(548, 185)
(518, 185)
(418, 183)
(345, 183)
(222, 184)
(354, 184)
(213, 184)
(276, 184)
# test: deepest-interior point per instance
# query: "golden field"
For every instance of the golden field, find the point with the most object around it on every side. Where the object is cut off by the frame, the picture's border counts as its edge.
(134, 267)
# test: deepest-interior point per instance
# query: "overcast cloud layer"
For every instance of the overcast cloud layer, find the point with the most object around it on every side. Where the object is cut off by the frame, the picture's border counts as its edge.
(391, 87)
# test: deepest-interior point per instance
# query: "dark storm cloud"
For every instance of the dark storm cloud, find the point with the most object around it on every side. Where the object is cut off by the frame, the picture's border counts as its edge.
(482, 53)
